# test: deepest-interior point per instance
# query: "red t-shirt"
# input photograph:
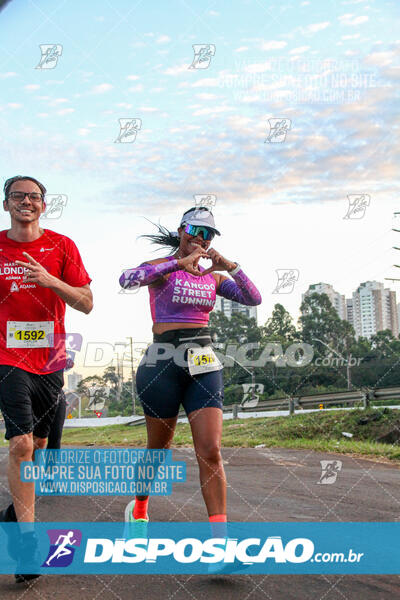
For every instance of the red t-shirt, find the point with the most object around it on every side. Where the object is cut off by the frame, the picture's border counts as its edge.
(32, 333)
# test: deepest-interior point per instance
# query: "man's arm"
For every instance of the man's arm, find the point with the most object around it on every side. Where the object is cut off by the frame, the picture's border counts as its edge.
(79, 298)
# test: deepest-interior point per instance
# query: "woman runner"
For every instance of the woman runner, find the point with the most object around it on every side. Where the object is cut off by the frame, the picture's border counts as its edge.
(182, 294)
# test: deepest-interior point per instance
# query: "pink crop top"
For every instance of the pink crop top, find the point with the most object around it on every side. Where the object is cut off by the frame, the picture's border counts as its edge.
(183, 298)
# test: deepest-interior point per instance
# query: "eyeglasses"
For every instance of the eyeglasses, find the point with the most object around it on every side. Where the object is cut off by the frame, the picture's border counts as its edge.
(20, 196)
(194, 230)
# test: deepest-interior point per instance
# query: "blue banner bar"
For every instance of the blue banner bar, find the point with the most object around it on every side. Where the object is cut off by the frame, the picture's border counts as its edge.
(158, 548)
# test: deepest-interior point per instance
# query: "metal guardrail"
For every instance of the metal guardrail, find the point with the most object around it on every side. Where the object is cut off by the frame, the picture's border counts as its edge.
(349, 397)
(291, 403)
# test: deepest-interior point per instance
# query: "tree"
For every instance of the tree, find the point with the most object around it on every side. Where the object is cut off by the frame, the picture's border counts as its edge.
(320, 322)
(110, 376)
(279, 326)
(381, 344)
(238, 329)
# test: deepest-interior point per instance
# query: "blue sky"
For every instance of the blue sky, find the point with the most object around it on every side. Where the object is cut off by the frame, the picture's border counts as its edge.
(331, 68)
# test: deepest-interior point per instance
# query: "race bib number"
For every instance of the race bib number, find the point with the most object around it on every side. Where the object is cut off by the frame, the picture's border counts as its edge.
(37, 334)
(202, 360)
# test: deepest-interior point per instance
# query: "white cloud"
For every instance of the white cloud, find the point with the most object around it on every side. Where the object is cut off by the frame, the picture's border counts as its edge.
(351, 37)
(242, 49)
(60, 100)
(102, 88)
(299, 50)
(30, 87)
(350, 20)
(65, 111)
(147, 109)
(273, 45)
(163, 39)
(14, 105)
(380, 59)
(8, 74)
(136, 88)
(314, 27)
(132, 77)
(258, 67)
(211, 110)
(204, 96)
(83, 131)
(177, 70)
(124, 105)
(206, 82)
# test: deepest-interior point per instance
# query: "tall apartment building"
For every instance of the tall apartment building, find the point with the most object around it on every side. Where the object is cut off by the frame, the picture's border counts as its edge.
(229, 307)
(374, 309)
(371, 308)
(338, 301)
(349, 311)
(73, 380)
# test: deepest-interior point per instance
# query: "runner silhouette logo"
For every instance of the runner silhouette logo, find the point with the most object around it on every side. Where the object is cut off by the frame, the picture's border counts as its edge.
(63, 543)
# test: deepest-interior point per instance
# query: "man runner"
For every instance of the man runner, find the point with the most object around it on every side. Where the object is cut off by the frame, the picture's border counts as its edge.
(40, 272)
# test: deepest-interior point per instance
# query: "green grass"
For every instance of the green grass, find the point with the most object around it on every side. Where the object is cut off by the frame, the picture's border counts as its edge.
(320, 431)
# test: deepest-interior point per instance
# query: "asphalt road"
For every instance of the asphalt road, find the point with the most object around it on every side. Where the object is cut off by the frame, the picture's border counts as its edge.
(264, 485)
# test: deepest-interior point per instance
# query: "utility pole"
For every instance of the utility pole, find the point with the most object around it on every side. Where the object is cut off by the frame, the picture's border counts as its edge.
(132, 374)
(119, 386)
(348, 372)
(394, 248)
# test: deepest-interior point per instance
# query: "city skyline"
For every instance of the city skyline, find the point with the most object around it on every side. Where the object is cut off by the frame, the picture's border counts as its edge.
(285, 129)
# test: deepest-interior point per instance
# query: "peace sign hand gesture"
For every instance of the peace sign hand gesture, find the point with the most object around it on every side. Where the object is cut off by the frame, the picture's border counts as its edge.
(36, 272)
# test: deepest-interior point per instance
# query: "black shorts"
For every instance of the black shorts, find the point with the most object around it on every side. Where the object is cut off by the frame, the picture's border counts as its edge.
(56, 429)
(162, 388)
(28, 401)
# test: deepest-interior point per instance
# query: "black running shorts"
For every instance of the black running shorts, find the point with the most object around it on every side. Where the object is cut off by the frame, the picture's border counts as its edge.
(28, 401)
(163, 387)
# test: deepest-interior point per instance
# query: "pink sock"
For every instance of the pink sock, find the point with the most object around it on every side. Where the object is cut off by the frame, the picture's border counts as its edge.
(218, 525)
(140, 509)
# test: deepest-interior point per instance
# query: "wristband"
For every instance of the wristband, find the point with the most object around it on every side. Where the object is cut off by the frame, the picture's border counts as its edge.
(235, 270)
